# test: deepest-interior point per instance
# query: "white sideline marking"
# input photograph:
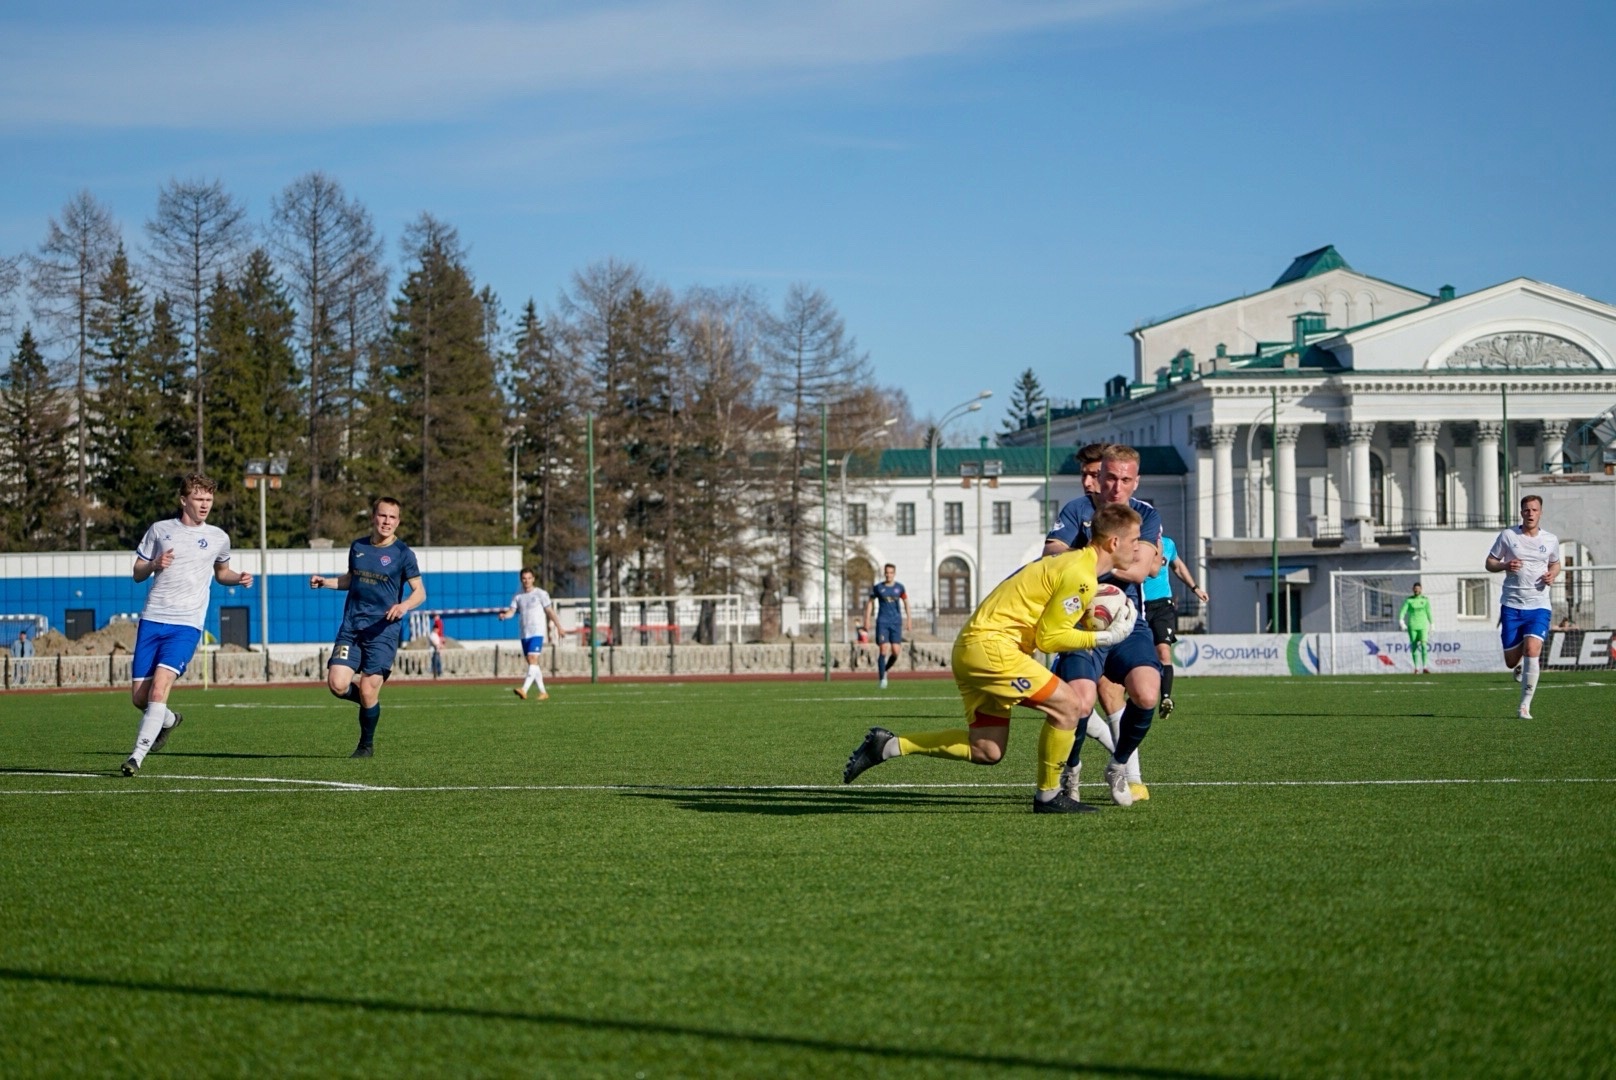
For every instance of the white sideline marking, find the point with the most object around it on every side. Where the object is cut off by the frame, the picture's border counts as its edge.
(292, 785)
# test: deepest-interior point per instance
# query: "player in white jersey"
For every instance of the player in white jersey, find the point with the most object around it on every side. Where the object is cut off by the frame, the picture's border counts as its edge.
(534, 606)
(1529, 559)
(181, 555)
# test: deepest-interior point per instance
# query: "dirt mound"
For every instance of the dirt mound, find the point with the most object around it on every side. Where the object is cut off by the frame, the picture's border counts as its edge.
(114, 637)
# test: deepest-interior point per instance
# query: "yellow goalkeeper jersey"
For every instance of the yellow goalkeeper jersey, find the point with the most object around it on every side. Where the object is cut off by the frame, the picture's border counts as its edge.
(1039, 605)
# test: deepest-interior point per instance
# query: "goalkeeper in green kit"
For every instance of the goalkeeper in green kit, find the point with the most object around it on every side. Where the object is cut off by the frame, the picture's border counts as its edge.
(1416, 619)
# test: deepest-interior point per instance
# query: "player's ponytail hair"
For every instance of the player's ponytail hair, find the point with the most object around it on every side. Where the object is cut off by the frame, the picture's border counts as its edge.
(1114, 520)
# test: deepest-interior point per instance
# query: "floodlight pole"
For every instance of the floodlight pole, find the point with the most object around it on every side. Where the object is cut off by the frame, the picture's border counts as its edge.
(973, 405)
(1046, 467)
(824, 532)
(264, 473)
(594, 611)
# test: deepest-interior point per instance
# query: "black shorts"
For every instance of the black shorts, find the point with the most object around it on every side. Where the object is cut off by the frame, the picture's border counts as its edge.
(1162, 618)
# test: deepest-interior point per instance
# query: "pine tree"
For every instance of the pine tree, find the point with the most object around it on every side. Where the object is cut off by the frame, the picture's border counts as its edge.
(444, 384)
(1026, 403)
(254, 412)
(549, 452)
(121, 423)
(36, 497)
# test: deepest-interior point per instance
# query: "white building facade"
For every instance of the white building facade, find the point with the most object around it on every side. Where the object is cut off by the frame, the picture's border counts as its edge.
(1347, 423)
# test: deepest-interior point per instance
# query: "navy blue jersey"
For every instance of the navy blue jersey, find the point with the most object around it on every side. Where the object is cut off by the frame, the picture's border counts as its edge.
(376, 577)
(1072, 529)
(887, 597)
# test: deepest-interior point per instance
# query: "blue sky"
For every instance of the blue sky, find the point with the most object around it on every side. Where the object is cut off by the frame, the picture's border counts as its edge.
(980, 187)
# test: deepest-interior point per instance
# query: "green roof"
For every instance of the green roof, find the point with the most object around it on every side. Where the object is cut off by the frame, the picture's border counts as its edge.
(1018, 461)
(1321, 261)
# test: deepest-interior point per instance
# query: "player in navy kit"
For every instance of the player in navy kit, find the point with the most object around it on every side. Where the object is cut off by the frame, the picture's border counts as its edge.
(1130, 664)
(379, 567)
(889, 603)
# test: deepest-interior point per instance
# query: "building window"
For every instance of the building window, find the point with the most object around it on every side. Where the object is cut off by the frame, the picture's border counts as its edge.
(1001, 519)
(1380, 601)
(1377, 489)
(906, 519)
(858, 519)
(954, 518)
(1473, 599)
(954, 585)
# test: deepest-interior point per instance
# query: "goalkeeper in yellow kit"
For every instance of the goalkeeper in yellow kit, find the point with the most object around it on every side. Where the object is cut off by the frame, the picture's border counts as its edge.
(1036, 608)
(1416, 619)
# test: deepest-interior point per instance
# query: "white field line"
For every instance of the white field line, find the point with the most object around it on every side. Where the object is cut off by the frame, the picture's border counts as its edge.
(127, 787)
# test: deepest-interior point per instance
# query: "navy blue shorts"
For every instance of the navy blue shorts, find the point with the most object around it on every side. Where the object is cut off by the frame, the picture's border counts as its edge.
(888, 633)
(1138, 649)
(367, 654)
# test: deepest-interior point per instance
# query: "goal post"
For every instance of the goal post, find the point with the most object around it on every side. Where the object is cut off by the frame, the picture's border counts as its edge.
(1365, 606)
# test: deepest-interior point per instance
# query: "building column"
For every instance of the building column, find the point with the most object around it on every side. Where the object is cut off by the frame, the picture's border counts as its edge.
(1359, 434)
(1487, 436)
(1425, 436)
(1223, 480)
(1553, 446)
(1334, 510)
(1285, 436)
(1202, 437)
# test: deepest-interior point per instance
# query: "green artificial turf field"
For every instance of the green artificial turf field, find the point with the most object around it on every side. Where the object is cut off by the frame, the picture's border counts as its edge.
(1333, 877)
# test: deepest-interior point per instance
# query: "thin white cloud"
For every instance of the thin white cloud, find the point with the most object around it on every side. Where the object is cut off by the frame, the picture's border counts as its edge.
(365, 64)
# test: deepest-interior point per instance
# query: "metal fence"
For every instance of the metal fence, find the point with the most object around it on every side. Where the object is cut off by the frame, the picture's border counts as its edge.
(216, 668)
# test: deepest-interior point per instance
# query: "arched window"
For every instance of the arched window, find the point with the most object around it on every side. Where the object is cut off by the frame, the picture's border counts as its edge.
(954, 586)
(1441, 490)
(1377, 489)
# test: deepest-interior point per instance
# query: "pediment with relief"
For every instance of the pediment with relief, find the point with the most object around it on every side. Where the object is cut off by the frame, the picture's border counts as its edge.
(1521, 352)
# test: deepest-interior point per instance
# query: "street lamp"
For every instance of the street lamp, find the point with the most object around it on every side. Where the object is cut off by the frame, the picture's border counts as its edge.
(955, 413)
(263, 474)
(874, 433)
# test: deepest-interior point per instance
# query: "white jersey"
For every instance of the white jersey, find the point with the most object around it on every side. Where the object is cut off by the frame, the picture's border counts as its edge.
(530, 611)
(1521, 589)
(179, 595)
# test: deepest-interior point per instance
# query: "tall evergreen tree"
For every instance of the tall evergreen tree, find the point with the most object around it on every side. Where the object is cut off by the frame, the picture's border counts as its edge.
(549, 451)
(1026, 406)
(66, 280)
(120, 420)
(248, 346)
(444, 384)
(36, 497)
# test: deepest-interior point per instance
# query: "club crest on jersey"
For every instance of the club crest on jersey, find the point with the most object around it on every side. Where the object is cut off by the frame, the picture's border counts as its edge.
(387, 560)
(201, 541)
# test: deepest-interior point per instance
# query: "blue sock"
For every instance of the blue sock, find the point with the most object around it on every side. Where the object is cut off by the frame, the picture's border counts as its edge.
(368, 718)
(352, 694)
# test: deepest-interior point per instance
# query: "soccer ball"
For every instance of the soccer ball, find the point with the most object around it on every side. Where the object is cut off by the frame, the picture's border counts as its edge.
(1105, 605)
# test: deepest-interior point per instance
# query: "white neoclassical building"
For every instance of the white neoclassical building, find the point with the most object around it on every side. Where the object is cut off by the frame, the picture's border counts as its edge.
(1351, 423)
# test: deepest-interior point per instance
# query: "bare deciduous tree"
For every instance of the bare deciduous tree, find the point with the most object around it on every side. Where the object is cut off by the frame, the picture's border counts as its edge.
(198, 235)
(65, 281)
(329, 252)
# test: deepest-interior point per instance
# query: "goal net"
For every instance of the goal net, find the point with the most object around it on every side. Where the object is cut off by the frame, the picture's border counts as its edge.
(1367, 636)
